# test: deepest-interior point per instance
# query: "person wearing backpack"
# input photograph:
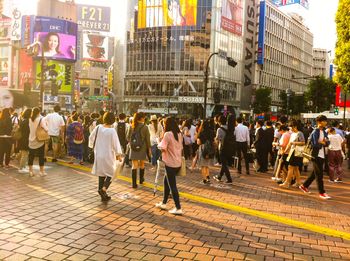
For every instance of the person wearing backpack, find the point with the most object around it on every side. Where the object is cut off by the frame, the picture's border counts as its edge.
(319, 141)
(75, 139)
(205, 140)
(140, 147)
(223, 139)
(23, 142)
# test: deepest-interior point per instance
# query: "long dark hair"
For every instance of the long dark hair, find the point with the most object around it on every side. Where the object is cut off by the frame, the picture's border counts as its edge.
(231, 123)
(171, 125)
(5, 114)
(26, 114)
(35, 113)
(206, 129)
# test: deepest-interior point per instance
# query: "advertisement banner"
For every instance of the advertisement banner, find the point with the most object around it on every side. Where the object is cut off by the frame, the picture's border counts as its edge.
(261, 37)
(27, 30)
(25, 69)
(158, 13)
(232, 16)
(57, 72)
(57, 38)
(5, 27)
(95, 47)
(16, 99)
(95, 18)
(340, 97)
(304, 3)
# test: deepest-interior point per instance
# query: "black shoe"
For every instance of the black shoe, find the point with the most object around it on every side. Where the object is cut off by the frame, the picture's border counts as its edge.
(134, 178)
(54, 160)
(142, 176)
(104, 196)
(229, 182)
(248, 173)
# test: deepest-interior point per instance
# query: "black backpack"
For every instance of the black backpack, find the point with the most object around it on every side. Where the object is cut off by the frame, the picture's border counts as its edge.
(121, 131)
(208, 151)
(228, 146)
(136, 140)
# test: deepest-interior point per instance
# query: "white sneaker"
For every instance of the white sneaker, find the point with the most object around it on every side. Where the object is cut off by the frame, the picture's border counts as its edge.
(23, 171)
(161, 206)
(43, 174)
(176, 211)
(31, 174)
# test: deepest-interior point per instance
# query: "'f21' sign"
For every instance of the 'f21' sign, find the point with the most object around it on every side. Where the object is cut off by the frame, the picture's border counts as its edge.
(94, 18)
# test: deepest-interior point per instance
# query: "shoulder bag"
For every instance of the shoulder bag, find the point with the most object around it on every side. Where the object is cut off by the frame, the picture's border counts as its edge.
(41, 133)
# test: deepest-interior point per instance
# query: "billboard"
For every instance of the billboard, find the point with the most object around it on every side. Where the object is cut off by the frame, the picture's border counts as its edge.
(5, 27)
(232, 16)
(304, 3)
(95, 47)
(95, 18)
(261, 36)
(57, 38)
(25, 69)
(158, 13)
(10, 98)
(340, 97)
(58, 72)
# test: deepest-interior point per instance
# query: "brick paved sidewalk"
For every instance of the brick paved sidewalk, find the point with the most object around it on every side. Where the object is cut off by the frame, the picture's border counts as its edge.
(60, 217)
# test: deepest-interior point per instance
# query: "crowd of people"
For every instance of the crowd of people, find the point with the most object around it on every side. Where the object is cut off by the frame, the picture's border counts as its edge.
(225, 141)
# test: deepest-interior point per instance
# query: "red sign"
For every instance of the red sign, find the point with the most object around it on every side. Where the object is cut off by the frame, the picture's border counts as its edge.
(339, 98)
(25, 69)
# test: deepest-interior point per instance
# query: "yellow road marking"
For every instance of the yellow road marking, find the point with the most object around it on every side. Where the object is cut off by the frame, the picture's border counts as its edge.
(243, 210)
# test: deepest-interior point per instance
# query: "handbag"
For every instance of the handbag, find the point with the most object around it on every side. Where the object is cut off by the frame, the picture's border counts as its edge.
(41, 133)
(118, 169)
(307, 152)
(182, 171)
(91, 156)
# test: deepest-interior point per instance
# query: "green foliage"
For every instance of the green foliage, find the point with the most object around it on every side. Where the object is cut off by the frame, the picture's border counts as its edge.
(262, 100)
(321, 92)
(295, 106)
(342, 51)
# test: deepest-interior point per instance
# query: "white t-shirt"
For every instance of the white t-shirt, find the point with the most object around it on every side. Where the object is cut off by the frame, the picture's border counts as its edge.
(54, 122)
(193, 133)
(335, 142)
(321, 152)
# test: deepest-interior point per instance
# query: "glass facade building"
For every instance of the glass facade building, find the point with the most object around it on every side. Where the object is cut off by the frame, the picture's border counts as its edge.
(167, 51)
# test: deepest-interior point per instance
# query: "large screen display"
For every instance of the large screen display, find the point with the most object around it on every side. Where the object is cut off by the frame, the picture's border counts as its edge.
(304, 3)
(158, 13)
(232, 16)
(95, 47)
(58, 72)
(57, 38)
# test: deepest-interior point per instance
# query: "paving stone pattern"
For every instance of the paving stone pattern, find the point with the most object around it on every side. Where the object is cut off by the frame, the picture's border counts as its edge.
(60, 217)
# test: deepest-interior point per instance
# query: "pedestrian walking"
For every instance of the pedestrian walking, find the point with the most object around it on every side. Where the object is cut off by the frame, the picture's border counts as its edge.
(107, 150)
(223, 139)
(75, 140)
(171, 147)
(5, 138)
(295, 157)
(155, 130)
(206, 149)
(335, 156)
(140, 147)
(23, 142)
(261, 147)
(319, 141)
(36, 147)
(242, 143)
(186, 127)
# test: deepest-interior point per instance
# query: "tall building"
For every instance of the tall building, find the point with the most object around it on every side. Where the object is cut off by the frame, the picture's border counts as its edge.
(321, 62)
(167, 52)
(284, 52)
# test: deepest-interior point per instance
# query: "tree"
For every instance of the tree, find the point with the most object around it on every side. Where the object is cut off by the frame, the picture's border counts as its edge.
(296, 104)
(342, 51)
(321, 92)
(262, 100)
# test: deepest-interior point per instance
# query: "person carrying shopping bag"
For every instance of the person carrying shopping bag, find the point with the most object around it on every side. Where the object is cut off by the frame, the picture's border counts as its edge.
(105, 143)
(171, 147)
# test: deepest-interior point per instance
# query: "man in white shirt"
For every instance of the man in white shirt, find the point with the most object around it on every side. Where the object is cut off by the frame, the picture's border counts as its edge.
(242, 141)
(56, 127)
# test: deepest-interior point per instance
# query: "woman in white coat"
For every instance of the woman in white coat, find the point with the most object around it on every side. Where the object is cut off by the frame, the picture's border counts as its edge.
(105, 143)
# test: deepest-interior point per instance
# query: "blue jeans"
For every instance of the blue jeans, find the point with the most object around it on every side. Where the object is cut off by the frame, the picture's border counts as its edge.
(155, 154)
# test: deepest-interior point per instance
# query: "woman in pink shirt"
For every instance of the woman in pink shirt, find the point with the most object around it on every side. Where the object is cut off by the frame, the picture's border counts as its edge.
(171, 147)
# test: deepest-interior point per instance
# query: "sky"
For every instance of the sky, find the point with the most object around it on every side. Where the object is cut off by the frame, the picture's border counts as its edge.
(320, 18)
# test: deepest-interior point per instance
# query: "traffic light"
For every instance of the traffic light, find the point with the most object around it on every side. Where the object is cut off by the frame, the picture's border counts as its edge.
(336, 110)
(231, 62)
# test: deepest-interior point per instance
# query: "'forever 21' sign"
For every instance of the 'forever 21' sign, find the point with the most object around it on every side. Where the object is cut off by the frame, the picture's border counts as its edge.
(94, 18)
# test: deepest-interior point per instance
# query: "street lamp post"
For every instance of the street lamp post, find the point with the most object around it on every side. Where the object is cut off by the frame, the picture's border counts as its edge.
(230, 62)
(289, 93)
